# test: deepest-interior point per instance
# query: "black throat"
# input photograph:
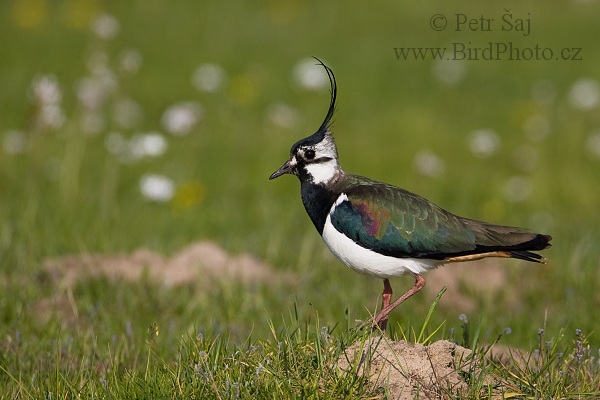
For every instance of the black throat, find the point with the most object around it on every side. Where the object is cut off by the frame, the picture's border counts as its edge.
(317, 202)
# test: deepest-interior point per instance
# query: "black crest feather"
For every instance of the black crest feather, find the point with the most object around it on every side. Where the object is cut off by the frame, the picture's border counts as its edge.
(319, 135)
(333, 88)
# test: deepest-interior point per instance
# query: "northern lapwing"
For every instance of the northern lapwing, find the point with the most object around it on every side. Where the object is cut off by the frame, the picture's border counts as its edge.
(385, 231)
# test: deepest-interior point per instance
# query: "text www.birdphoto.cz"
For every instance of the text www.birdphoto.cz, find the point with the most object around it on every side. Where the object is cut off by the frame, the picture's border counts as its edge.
(491, 51)
(488, 50)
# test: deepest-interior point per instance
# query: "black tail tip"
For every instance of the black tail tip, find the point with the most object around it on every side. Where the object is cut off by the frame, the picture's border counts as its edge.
(548, 239)
(528, 256)
(526, 251)
(541, 242)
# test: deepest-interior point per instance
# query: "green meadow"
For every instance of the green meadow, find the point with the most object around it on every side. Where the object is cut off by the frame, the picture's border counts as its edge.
(147, 126)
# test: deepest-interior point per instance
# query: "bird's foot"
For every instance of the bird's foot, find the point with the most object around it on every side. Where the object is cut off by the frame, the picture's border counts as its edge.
(377, 323)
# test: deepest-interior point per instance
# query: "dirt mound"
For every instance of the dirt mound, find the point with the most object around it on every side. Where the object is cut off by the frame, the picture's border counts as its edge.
(199, 262)
(411, 370)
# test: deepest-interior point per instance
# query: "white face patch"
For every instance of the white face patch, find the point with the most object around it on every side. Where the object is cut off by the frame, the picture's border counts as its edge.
(323, 167)
(323, 172)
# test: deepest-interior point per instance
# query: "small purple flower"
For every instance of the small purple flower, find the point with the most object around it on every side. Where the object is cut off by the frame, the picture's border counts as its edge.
(259, 369)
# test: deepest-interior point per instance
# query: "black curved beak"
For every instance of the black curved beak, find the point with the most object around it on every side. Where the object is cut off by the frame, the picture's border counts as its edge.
(286, 168)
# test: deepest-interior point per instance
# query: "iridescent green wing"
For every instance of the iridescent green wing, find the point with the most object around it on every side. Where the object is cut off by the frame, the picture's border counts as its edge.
(392, 221)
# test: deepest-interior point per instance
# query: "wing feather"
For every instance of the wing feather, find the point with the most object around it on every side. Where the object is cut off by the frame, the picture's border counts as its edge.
(395, 222)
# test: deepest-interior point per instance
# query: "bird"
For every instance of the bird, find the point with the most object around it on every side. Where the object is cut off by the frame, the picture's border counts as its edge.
(384, 231)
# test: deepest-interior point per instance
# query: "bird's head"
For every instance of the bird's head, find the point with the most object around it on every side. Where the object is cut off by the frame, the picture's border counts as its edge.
(314, 158)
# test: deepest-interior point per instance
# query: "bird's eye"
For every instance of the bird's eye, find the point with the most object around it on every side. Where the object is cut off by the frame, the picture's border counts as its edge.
(309, 154)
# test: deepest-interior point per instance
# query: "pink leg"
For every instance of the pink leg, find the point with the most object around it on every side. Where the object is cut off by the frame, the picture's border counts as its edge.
(382, 318)
(386, 298)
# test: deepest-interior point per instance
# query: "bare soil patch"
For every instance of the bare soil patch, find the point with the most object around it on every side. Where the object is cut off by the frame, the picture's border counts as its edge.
(199, 262)
(411, 370)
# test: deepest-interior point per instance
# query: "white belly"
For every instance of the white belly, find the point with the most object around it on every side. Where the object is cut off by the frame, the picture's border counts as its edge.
(368, 262)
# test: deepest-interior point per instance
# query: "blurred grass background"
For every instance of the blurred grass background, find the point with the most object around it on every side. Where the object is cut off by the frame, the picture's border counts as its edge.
(415, 123)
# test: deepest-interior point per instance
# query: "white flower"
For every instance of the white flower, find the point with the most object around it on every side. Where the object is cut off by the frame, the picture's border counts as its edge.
(484, 142)
(180, 119)
(46, 90)
(209, 77)
(157, 188)
(130, 61)
(585, 94)
(309, 75)
(449, 71)
(47, 97)
(91, 93)
(51, 115)
(428, 163)
(542, 220)
(282, 115)
(115, 143)
(151, 144)
(140, 146)
(105, 26)
(14, 142)
(517, 189)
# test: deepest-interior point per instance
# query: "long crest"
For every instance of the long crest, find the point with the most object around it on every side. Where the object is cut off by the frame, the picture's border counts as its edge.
(327, 121)
(322, 133)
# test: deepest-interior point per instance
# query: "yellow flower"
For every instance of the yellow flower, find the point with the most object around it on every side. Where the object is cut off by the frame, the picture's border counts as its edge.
(244, 89)
(77, 14)
(30, 13)
(188, 195)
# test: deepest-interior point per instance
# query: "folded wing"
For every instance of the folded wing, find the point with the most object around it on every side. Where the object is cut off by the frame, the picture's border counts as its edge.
(394, 222)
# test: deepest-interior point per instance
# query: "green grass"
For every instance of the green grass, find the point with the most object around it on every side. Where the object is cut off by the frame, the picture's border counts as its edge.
(66, 194)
